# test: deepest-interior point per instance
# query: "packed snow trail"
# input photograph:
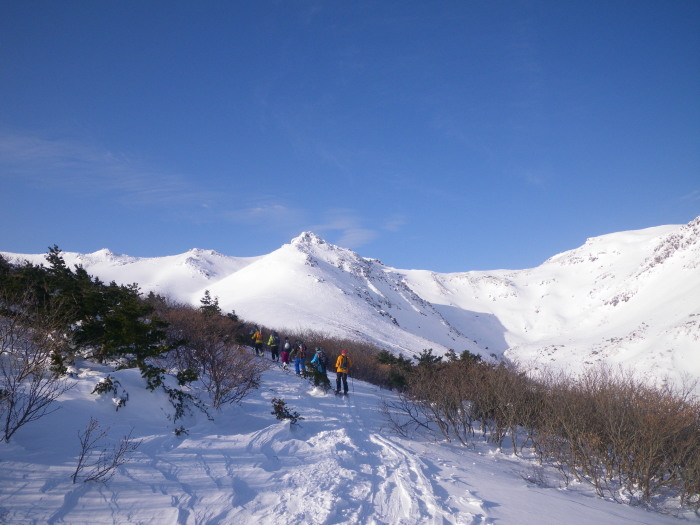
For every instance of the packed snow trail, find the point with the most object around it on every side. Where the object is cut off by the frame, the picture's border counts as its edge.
(331, 469)
(337, 466)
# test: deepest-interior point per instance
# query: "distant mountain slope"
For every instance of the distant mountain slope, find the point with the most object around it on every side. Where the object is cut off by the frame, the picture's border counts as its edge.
(183, 277)
(631, 298)
(313, 284)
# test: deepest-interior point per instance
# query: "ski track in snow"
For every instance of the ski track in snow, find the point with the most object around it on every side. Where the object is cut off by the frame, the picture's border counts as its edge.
(358, 476)
(408, 495)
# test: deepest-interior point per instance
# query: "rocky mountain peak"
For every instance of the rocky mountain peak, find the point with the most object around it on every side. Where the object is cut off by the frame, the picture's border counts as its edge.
(308, 239)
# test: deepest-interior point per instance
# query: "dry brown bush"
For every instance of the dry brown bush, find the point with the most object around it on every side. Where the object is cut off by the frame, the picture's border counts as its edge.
(628, 439)
(617, 432)
(208, 345)
(439, 400)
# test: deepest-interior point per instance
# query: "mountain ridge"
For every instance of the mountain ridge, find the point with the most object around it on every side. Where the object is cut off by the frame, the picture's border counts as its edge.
(625, 298)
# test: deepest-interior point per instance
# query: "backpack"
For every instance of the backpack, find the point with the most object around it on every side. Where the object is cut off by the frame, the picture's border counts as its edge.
(276, 340)
(323, 359)
(301, 351)
(344, 362)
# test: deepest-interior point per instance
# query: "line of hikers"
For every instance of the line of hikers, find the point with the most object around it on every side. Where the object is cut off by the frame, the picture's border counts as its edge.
(299, 355)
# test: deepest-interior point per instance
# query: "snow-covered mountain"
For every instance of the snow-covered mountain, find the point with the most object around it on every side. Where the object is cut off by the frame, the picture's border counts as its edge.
(627, 297)
(631, 298)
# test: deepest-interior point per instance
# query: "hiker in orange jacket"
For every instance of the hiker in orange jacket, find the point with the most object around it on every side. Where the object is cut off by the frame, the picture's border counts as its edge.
(342, 367)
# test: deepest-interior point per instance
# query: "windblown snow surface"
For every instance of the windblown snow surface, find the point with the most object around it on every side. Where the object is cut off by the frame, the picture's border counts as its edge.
(341, 464)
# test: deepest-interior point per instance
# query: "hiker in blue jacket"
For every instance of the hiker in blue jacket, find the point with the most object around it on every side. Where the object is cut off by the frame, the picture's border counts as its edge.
(320, 361)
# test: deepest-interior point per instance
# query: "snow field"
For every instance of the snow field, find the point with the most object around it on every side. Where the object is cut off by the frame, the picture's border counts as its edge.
(338, 465)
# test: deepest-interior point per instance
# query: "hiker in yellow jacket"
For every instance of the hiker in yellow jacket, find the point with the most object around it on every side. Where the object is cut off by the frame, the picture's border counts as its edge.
(258, 341)
(274, 344)
(342, 367)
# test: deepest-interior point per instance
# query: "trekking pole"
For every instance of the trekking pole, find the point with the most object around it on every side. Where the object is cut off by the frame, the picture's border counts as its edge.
(352, 380)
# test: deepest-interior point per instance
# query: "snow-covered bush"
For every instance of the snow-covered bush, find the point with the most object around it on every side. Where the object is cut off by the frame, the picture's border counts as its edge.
(281, 411)
(107, 385)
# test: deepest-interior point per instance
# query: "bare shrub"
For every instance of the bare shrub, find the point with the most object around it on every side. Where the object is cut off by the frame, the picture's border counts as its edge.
(96, 463)
(458, 388)
(405, 416)
(665, 438)
(512, 402)
(438, 401)
(616, 432)
(549, 440)
(630, 440)
(425, 391)
(28, 388)
(230, 374)
(536, 474)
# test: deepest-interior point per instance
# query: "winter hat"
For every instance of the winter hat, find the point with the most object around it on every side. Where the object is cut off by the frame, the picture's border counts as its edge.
(344, 352)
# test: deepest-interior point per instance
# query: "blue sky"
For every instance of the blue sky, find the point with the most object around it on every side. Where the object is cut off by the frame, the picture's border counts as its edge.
(448, 136)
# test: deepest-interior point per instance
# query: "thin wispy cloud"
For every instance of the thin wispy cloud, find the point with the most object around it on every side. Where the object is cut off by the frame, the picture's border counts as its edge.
(395, 223)
(348, 226)
(268, 212)
(532, 177)
(76, 166)
(343, 226)
(692, 196)
(311, 140)
(357, 237)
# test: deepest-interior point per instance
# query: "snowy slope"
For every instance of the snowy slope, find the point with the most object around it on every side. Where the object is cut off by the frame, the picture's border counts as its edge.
(313, 284)
(631, 298)
(628, 298)
(339, 465)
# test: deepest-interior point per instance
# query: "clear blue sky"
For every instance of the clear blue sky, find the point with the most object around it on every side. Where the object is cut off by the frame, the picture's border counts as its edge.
(448, 136)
